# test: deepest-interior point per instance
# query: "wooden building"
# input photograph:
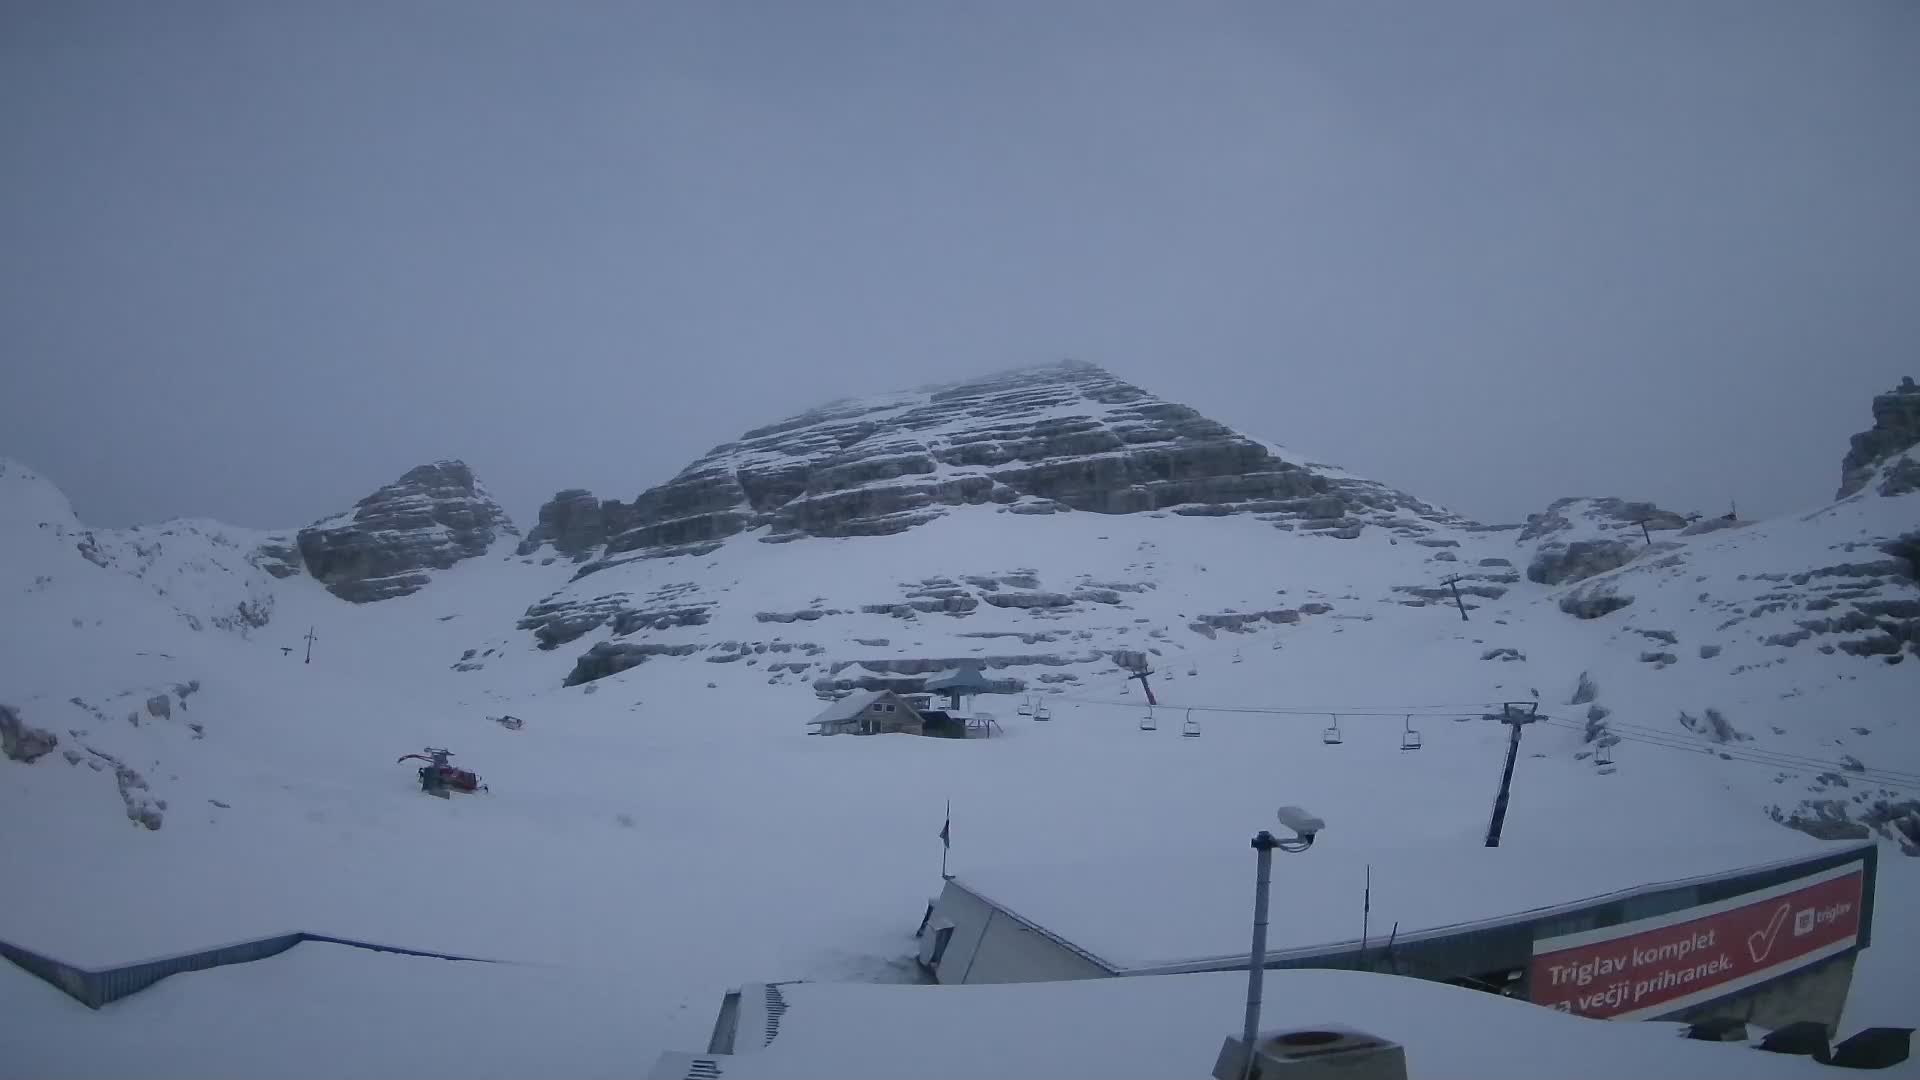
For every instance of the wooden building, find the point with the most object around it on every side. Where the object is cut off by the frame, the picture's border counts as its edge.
(868, 712)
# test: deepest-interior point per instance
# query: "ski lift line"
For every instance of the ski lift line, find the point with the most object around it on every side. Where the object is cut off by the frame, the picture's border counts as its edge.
(1798, 761)
(1289, 713)
(1784, 759)
(1778, 766)
(1891, 777)
(1322, 710)
(1696, 740)
(1365, 710)
(1751, 759)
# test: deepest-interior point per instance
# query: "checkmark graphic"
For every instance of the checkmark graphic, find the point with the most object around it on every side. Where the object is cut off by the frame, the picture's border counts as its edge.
(1760, 942)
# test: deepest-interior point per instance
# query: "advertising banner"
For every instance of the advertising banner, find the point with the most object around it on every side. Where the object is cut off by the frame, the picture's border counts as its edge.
(1657, 965)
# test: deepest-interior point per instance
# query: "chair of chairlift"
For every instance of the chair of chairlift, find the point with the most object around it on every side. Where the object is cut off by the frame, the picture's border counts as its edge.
(1148, 723)
(1041, 712)
(1026, 707)
(1237, 658)
(1332, 736)
(1409, 738)
(1191, 728)
(1603, 754)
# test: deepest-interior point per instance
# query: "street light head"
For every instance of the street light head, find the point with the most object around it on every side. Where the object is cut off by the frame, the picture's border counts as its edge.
(1301, 822)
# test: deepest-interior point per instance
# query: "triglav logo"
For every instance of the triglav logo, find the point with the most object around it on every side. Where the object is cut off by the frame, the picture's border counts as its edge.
(1803, 921)
(1760, 942)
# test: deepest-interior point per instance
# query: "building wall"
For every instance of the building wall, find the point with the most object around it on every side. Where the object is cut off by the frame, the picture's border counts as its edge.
(1011, 952)
(1818, 993)
(990, 946)
(969, 916)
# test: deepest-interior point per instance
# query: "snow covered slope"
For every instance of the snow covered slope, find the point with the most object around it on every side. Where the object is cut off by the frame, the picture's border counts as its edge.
(663, 812)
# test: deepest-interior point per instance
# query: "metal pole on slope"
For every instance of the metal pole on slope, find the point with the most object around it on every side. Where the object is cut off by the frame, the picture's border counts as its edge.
(310, 641)
(1453, 583)
(1515, 719)
(1366, 914)
(1141, 673)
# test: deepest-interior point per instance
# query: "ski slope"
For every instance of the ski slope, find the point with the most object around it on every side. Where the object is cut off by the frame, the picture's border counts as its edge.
(670, 831)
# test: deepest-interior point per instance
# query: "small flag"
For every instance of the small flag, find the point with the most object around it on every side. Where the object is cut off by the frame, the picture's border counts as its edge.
(946, 829)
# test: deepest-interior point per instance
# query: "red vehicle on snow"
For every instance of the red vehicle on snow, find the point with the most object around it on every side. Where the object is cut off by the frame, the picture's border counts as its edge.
(438, 778)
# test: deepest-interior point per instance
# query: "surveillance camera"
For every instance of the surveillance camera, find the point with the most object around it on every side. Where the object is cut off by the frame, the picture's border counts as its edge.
(1300, 821)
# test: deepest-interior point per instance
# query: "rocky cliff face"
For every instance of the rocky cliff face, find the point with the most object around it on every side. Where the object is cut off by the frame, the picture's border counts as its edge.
(431, 518)
(1896, 429)
(572, 522)
(1035, 441)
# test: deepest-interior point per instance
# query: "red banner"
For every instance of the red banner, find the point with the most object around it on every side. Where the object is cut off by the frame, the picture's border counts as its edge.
(1647, 967)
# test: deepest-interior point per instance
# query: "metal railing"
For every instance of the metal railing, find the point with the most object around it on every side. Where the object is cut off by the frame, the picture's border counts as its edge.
(97, 988)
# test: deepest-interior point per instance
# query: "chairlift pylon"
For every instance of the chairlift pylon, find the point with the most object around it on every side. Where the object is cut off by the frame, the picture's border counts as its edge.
(1191, 728)
(1409, 738)
(1148, 723)
(1332, 736)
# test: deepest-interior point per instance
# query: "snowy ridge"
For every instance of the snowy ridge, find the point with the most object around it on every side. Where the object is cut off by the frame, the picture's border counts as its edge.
(1034, 441)
(665, 691)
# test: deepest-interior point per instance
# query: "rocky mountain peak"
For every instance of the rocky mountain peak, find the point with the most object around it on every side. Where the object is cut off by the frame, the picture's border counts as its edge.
(1896, 429)
(431, 518)
(1039, 440)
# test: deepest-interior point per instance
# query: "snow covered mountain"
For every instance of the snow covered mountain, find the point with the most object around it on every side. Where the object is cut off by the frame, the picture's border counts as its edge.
(1699, 680)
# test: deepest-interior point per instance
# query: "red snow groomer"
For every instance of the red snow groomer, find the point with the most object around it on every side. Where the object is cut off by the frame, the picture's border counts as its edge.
(438, 778)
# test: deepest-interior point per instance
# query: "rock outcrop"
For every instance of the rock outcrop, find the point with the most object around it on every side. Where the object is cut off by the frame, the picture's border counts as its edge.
(572, 522)
(1057, 438)
(1579, 537)
(278, 555)
(431, 518)
(1896, 429)
(21, 741)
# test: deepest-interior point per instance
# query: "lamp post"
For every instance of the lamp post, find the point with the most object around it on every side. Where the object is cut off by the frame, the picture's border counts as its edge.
(1305, 826)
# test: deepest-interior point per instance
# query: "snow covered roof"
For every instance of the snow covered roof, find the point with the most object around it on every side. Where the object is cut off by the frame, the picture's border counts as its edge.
(968, 680)
(1173, 1025)
(848, 707)
(1183, 912)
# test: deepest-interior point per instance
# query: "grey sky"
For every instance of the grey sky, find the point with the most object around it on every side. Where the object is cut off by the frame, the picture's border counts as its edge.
(257, 258)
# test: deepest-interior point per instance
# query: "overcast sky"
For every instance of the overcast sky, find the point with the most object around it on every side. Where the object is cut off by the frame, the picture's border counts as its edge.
(258, 258)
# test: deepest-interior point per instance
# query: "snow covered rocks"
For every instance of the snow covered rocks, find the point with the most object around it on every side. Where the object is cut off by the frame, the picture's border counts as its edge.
(429, 519)
(1896, 429)
(22, 742)
(1057, 438)
(1582, 537)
